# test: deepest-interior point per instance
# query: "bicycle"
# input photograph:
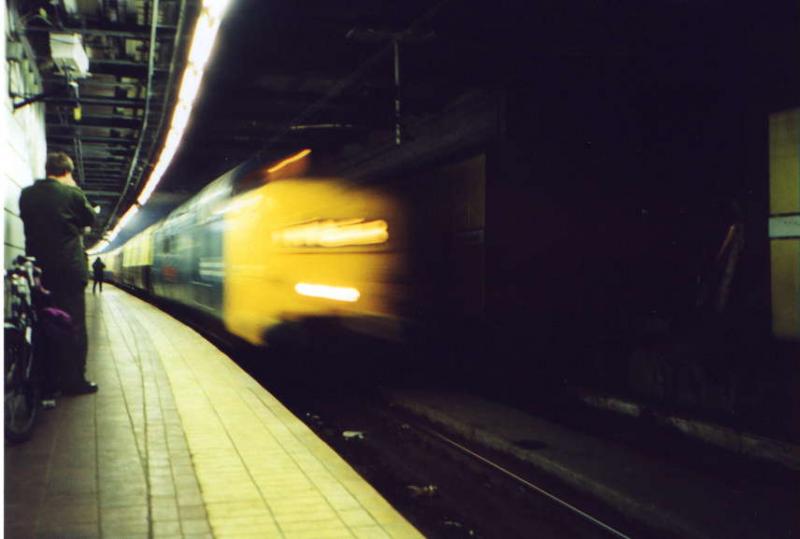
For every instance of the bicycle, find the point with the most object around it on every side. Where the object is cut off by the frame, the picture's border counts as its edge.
(22, 391)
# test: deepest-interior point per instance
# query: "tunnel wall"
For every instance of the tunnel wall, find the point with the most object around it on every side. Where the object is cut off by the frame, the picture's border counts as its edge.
(23, 146)
(609, 197)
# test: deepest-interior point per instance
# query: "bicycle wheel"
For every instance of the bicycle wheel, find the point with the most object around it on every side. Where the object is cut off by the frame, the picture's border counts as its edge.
(21, 392)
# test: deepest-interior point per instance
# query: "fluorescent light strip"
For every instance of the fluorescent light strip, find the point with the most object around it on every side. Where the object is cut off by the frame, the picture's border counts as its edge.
(199, 52)
(289, 160)
(203, 39)
(133, 210)
(99, 246)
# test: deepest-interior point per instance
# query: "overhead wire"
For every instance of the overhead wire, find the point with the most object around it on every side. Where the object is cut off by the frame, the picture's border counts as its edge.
(148, 90)
(202, 44)
(199, 53)
(349, 80)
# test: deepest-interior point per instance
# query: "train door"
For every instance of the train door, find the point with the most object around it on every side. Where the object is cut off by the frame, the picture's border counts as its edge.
(208, 268)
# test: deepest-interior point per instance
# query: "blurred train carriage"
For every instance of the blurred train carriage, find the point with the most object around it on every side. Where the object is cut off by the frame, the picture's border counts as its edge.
(267, 246)
(385, 274)
(280, 253)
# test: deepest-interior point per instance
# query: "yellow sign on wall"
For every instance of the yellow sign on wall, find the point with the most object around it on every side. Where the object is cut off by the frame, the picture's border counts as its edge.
(784, 224)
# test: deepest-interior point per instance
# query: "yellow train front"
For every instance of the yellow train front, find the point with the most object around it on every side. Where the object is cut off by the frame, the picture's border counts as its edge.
(263, 248)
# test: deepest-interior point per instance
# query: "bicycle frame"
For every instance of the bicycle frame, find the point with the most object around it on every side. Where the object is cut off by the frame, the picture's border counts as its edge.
(22, 392)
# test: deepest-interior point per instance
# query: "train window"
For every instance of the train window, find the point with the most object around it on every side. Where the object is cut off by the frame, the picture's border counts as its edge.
(166, 245)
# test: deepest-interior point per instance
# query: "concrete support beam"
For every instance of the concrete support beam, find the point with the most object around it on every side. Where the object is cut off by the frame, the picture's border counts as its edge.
(109, 141)
(129, 32)
(102, 194)
(90, 100)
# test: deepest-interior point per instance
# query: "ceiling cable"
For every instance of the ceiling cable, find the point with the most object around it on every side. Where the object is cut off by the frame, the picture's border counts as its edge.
(143, 128)
(348, 81)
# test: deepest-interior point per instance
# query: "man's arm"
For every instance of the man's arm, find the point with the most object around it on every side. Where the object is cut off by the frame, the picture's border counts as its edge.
(83, 211)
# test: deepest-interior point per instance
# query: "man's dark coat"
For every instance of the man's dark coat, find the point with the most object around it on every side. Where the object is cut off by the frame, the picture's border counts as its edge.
(54, 215)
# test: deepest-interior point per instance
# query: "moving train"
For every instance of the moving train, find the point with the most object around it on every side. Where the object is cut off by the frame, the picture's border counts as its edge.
(269, 245)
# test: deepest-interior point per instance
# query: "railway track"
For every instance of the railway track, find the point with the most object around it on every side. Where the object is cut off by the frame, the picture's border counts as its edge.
(612, 532)
(443, 485)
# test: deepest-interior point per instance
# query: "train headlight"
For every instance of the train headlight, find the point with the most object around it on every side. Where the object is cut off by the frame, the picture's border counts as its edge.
(337, 293)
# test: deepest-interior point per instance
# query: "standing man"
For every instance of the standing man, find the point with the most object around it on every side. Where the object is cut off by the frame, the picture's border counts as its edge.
(54, 212)
(98, 268)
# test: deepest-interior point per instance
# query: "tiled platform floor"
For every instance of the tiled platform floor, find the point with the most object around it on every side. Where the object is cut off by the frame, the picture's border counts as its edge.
(179, 442)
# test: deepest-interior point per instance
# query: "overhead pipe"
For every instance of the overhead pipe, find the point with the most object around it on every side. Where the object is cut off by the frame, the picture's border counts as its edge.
(105, 101)
(76, 140)
(105, 141)
(103, 32)
(173, 65)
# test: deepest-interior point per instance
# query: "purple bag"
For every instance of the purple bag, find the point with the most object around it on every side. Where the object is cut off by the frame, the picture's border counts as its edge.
(55, 323)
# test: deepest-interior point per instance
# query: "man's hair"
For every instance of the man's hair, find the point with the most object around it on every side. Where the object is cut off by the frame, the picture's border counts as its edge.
(58, 164)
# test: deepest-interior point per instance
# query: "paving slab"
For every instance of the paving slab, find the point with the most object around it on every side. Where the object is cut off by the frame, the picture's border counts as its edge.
(179, 442)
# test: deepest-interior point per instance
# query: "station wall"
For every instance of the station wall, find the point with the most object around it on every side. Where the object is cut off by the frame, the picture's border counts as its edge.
(784, 224)
(606, 220)
(23, 146)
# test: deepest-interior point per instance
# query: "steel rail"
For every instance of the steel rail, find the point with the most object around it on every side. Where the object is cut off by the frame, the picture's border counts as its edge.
(528, 484)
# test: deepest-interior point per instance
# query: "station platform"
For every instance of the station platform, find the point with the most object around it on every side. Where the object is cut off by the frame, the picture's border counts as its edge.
(179, 442)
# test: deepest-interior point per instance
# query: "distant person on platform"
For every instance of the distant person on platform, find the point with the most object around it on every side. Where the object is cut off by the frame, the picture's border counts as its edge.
(55, 211)
(98, 268)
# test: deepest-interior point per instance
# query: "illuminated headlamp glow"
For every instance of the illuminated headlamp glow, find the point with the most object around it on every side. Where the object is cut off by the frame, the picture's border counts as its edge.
(331, 233)
(337, 293)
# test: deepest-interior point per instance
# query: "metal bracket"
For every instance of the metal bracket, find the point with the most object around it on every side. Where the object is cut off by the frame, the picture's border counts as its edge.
(44, 95)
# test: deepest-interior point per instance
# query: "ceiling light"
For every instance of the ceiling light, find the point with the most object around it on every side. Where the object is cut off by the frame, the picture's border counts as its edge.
(216, 8)
(133, 210)
(202, 43)
(181, 117)
(190, 84)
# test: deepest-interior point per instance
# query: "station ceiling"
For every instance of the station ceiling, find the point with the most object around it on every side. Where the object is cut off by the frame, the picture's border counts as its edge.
(110, 121)
(287, 74)
(290, 74)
